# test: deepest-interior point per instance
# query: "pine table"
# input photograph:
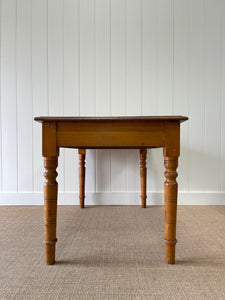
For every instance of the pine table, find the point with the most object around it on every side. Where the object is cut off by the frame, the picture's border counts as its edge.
(139, 132)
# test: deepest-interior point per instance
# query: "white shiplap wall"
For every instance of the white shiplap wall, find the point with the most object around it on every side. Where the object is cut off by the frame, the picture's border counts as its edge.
(113, 57)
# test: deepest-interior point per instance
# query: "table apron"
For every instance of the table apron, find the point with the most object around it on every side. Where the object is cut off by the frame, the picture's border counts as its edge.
(110, 134)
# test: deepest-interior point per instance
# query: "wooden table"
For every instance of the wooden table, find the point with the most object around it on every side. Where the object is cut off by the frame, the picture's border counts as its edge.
(115, 133)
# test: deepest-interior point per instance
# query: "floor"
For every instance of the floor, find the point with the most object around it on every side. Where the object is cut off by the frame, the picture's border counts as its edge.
(112, 252)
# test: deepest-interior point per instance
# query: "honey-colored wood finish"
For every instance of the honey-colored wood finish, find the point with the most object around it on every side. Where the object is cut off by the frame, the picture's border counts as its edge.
(81, 153)
(111, 132)
(143, 174)
(50, 207)
(102, 134)
(50, 153)
(171, 153)
(170, 192)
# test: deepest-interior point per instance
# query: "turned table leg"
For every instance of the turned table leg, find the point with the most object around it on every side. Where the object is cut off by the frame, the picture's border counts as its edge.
(50, 207)
(81, 153)
(170, 191)
(143, 172)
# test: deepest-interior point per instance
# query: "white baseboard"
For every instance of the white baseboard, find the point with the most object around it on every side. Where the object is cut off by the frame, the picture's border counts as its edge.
(113, 198)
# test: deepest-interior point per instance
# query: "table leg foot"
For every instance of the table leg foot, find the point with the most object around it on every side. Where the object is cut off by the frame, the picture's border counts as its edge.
(170, 191)
(49, 253)
(170, 251)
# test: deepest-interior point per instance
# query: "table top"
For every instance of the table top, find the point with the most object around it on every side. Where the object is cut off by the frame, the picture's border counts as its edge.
(119, 118)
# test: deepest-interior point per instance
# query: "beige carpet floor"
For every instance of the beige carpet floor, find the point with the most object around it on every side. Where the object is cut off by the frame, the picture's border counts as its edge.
(112, 252)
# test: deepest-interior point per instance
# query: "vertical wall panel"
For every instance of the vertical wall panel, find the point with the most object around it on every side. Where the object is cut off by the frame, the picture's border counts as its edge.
(165, 57)
(55, 71)
(8, 96)
(24, 96)
(87, 79)
(102, 56)
(181, 83)
(134, 81)
(223, 96)
(118, 86)
(150, 57)
(165, 71)
(213, 95)
(118, 57)
(0, 105)
(150, 80)
(87, 55)
(133, 173)
(39, 84)
(134, 57)
(71, 84)
(55, 56)
(102, 81)
(197, 95)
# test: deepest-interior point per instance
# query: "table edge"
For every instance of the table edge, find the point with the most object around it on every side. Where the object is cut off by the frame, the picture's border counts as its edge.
(42, 119)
